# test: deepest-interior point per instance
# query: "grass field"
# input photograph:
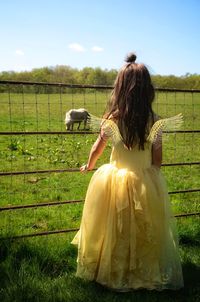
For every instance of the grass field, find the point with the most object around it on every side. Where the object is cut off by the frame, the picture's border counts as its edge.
(42, 269)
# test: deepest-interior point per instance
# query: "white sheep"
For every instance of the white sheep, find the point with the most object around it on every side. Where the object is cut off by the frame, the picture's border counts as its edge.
(76, 116)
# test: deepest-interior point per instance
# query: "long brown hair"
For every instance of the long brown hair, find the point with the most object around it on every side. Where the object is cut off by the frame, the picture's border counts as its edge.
(130, 102)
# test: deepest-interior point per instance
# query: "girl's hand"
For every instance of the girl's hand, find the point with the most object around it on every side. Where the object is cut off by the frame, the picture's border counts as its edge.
(84, 169)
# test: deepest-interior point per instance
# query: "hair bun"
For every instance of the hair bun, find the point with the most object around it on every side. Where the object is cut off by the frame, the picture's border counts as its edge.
(130, 58)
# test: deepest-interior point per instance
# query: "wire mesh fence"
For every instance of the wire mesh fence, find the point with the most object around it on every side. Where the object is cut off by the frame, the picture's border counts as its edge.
(41, 190)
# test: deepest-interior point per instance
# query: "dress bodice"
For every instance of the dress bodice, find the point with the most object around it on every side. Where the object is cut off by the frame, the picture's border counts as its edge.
(133, 159)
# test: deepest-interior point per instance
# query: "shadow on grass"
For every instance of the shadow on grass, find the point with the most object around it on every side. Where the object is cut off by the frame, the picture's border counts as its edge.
(191, 274)
(51, 262)
(30, 271)
(189, 241)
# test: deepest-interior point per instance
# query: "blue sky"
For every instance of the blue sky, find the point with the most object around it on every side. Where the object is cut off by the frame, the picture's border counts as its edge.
(99, 33)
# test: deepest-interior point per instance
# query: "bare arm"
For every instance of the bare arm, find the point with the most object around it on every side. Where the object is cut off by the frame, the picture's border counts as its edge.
(95, 153)
(157, 155)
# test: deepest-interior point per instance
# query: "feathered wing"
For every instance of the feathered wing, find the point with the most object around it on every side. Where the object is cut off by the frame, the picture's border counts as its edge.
(107, 127)
(110, 129)
(173, 123)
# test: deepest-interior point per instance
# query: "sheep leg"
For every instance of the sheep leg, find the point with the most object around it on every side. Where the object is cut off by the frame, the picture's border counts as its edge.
(67, 126)
(85, 122)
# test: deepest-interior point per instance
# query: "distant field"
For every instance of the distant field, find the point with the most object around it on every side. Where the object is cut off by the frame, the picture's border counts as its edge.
(42, 269)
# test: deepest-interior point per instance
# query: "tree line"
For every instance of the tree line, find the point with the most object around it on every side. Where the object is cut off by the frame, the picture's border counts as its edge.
(95, 76)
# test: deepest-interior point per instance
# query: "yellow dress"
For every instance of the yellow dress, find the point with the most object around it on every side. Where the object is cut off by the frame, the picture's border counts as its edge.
(127, 238)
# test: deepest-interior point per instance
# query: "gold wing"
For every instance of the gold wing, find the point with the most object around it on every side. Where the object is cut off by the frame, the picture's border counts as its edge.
(107, 127)
(110, 129)
(173, 123)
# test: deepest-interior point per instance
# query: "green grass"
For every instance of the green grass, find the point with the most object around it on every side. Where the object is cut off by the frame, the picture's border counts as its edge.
(43, 268)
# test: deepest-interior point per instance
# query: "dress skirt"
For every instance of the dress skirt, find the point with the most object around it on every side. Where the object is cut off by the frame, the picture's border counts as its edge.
(127, 238)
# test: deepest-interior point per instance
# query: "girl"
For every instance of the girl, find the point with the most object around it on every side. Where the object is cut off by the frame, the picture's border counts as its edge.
(127, 239)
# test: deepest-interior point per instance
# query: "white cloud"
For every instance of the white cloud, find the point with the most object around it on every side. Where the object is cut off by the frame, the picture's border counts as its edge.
(19, 52)
(97, 49)
(76, 47)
